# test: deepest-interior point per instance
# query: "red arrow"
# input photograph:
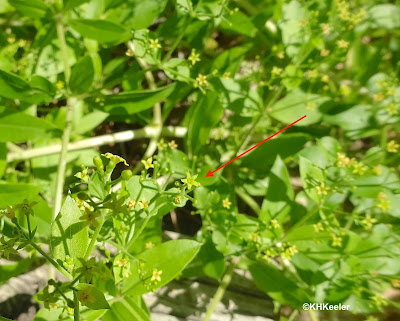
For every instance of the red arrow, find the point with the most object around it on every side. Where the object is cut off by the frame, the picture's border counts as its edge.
(211, 173)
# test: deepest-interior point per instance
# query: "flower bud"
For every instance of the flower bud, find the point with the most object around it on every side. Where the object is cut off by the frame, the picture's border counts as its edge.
(70, 303)
(110, 167)
(83, 196)
(97, 161)
(126, 174)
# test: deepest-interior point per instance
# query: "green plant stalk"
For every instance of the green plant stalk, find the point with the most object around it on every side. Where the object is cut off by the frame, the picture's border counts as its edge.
(48, 258)
(248, 200)
(142, 227)
(93, 240)
(77, 316)
(313, 315)
(221, 290)
(68, 121)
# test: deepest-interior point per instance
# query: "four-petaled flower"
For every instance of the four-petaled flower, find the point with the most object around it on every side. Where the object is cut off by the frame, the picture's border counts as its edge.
(154, 44)
(122, 262)
(6, 247)
(226, 203)
(172, 144)
(201, 80)
(83, 175)
(194, 57)
(149, 245)
(148, 163)
(156, 275)
(392, 147)
(86, 296)
(190, 181)
(342, 44)
(131, 203)
(9, 212)
(144, 204)
(25, 207)
(115, 158)
(90, 217)
(322, 189)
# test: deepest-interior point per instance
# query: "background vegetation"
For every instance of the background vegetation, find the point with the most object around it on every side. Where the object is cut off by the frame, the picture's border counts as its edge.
(113, 112)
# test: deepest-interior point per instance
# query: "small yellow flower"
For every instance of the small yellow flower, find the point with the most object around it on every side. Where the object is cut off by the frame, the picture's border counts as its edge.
(378, 97)
(368, 222)
(280, 55)
(303, 23)
(10, 39)
(226, 203)
(156, 275)
(144, 204)
(22, 43)
(178, 199)
(226, 75)
(172, 144)
(190, 181)
(345, 90)
(396, 283)
(86, 296)
(325, 52)
(129, 53)
(154, 44)
(25, 207)
(90, 217)
(377, 170)
(275, 224)
(336, 240)
(342, 44)
(326, 29)
(253, 237)
(60, 84)
(10, 212)
(194, 57)
(383, 202)
(312, 74)
(359, 168)
(131, 203)
(319, 227)
(276, 71)
(161, 145)
(392, 147)
(201, 80)
(325, 78)
(148, 163)
(343, 161)
(83, 175)
(392, 109)
(322, 189)
(115, 158)
(149, 245)
(122, 262)
(310, 106)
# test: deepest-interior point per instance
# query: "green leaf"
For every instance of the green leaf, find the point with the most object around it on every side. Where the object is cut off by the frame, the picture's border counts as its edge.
(296, 104)
(82, 75)
(69, 235)
(203, 116)
(280, 194)
(69, 4)
(9, 271)
(385, 16)
(12, 194)
(129, 308)
(180, 69)
(30, 8)
(90, 121)
(132, 102)
(137, 14)
(277, 284)
(96, 300)
(238, 23)
(311, 176)
(14, 87)
(20, 127)
(100, 30)
(284, 146)
(170, 257)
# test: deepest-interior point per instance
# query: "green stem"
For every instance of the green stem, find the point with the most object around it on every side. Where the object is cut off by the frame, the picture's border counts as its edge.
(77, 316)
(136, 235)
(248, 200)
(48, 258)
(68, 122)
(221, 290)
(93, 240)
(312, 315)
(29, 226)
